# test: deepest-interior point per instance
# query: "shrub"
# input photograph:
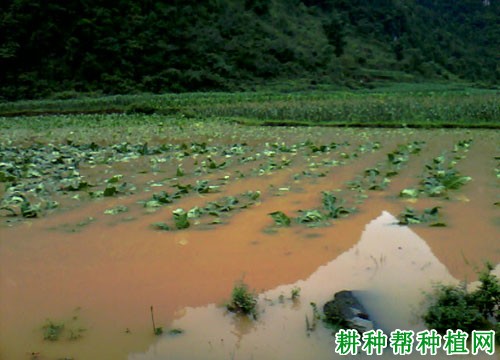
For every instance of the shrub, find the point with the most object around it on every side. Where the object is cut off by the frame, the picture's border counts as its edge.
(242, 300)
(453, 307)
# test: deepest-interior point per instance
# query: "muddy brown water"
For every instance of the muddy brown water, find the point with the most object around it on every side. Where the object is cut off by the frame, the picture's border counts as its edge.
(104, 277)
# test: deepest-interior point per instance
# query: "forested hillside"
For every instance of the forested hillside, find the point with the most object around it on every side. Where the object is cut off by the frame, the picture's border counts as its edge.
(53, 48)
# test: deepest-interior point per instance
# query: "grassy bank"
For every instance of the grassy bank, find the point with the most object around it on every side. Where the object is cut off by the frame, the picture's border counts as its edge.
(426, 105)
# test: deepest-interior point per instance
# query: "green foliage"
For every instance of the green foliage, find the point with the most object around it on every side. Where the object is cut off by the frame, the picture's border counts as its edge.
(174, 332)
(334, 206)
(156, 46)
(424, 105)
(295, 293)
(68, 329)
(311, 217)
(453, 307)
(441, 178)
(181, 219)
(280, 218)
(242, 300)
(431, 215)
(52, 331)
(487, 297)
(161, 226)
(116, 210)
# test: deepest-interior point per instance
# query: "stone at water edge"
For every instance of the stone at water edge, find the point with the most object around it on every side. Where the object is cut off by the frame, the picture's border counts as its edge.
(347, 312)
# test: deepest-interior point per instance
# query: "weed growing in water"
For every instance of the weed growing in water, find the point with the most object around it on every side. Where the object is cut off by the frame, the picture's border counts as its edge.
(295, 293)
(176, 331)
(52, 331)
(156, 330)
(68, 329)
(242, 300)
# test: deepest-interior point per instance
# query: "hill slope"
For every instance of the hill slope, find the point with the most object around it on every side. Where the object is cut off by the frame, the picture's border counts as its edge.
(124, 46)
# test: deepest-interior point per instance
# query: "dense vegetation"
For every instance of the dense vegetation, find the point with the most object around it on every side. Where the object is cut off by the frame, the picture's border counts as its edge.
(414, 105)
(52, 48)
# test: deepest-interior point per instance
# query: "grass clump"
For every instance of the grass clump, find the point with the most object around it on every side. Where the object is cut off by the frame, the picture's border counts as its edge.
(453, 307)
(243, 301)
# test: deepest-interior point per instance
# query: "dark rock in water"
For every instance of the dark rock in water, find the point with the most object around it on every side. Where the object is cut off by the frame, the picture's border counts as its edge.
(346, 311)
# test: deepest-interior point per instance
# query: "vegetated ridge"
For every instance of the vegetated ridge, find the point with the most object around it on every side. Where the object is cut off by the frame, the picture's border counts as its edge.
(49, 48)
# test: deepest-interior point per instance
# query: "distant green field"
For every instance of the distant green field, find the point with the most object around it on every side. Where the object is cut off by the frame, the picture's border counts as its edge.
(410, 105)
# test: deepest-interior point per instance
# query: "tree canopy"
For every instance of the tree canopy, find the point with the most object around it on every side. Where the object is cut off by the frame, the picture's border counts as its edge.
(126, 46)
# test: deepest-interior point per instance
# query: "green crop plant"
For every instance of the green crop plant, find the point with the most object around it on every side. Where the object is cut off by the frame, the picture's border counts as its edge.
(280, 218)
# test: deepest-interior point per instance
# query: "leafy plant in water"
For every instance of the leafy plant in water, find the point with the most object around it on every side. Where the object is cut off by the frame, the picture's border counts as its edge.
(110, 191)
(280, 218)
(334, 206)
(411, 216)
(161, 226)
(114, 179)
(28, 210)
(174, 332)
(116, 210)
(242, 300)
(311, 217)
(52, 331)
(181, 219)
(159, 199)
(213, 165)
(202, 187)
(295, 293)
(195, 212)
(181, 190)
(409, 193)
(252, 195)
(440, 179)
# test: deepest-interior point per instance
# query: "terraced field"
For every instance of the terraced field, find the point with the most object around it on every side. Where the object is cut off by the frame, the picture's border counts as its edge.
(102, 221)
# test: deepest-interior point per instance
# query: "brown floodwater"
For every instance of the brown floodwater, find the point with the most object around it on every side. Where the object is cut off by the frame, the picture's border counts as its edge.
(104, 276)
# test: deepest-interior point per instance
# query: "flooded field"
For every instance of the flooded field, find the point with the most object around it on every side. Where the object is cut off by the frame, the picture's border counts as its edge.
(97, 229)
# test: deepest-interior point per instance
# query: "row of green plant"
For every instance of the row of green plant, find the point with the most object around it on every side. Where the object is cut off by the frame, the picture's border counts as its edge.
(183, 219)
(333, 208)
(33, 176)
(375, 178)
(378, 177)
(424, 109)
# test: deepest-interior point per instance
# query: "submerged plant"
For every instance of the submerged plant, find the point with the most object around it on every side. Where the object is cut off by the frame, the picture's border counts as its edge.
(175, 331)
(295, 293)
(52, 331)
(334, 206)
(280, 218)
(311, 217)
(156, 330)
(181, 219)
(410, 216)
(243, 300)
